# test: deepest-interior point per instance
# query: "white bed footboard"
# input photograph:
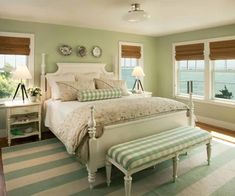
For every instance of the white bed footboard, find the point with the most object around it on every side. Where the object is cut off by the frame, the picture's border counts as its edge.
(115, 134)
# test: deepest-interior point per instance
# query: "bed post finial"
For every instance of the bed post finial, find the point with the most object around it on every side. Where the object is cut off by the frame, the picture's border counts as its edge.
(191, 105)
(43, 79)
(91, 164)
(43, 65)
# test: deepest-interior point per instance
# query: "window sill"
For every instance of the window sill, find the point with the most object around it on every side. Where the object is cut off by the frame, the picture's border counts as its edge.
(203, 100)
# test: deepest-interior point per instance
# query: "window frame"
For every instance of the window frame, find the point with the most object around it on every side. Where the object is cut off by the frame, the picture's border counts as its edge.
(140, 60)
(208, 74)
(30, 58)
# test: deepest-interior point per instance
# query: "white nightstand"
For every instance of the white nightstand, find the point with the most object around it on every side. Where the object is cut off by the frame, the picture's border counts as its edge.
(144, 94)
(23, 119)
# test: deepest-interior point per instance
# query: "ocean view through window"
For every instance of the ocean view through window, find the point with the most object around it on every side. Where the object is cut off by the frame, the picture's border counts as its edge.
(210, 64)
(191, 70)
(224, 76)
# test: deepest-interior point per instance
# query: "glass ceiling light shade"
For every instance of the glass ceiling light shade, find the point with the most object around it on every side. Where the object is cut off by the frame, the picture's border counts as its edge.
(136, 14)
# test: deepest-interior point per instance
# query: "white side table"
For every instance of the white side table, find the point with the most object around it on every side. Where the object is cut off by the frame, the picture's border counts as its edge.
(144, 94)
(23, 119)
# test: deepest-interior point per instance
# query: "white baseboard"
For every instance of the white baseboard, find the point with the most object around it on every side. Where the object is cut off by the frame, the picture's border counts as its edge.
(217, 123)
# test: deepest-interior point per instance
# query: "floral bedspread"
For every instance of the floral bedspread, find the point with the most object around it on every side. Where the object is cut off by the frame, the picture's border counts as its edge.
(73, 131)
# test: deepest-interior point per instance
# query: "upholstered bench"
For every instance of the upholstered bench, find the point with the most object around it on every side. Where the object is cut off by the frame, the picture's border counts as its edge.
(137, 155)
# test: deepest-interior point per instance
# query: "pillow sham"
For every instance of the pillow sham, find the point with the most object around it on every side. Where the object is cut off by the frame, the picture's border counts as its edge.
(98, 94)
(69, 90)
(90, 75)
(109, 84)
(55, 92)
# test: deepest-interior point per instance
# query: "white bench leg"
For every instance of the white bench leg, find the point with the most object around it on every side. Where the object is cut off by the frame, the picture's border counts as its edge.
(128, 180)
(175, 167)
(108, 172)
(208, 149)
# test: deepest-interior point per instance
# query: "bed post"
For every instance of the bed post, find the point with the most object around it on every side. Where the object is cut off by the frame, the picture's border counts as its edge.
(91, 165)
(191, 105)
(43, 78)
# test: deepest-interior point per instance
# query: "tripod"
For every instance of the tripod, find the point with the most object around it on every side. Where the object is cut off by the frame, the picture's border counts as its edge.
(138, 84)
(23, 90)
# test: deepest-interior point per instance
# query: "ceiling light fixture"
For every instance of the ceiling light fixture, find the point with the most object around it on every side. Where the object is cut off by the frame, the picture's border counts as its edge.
(136, 14)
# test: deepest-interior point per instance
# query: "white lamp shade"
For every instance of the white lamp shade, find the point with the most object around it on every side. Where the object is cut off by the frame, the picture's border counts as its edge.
(21, 73)
(138, 72)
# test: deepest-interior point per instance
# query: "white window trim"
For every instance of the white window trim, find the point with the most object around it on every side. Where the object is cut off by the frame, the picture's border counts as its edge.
(31, 55)
(208, 90)
(141, 60)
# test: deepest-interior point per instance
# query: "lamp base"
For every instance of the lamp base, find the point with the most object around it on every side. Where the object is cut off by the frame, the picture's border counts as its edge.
(23, 91)
(139, 86)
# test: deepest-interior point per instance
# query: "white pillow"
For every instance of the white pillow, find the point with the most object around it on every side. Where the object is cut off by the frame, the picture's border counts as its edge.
(89, 75)
(55, 92)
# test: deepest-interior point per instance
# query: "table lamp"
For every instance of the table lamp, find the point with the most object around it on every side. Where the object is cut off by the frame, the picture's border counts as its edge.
(138, 73)
(21, 73)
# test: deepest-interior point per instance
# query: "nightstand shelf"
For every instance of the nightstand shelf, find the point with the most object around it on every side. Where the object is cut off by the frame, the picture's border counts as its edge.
(23, 120)
(25, 135)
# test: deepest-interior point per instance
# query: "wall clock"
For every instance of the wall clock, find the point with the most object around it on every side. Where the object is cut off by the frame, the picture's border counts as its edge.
(96, 51)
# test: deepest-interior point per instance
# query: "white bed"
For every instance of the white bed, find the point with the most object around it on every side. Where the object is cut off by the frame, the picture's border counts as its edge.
(113, 134)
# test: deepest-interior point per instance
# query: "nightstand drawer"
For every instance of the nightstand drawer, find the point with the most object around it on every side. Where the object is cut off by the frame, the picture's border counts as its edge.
(24, 110)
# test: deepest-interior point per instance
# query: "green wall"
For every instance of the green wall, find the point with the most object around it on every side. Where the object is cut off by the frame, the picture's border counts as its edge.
(165, 69)
(158, 65)
(48, 37)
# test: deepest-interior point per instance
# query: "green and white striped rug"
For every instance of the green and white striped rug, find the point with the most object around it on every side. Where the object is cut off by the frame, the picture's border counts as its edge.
(44, 168)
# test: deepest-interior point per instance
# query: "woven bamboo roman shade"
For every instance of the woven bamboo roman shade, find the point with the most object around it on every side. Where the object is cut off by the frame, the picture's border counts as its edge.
(131, 51)
(14, 45)
(189, 52)
(222, 50)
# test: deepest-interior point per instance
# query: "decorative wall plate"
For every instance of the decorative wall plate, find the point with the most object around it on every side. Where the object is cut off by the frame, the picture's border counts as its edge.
(65, 50)
(81, 51)
(96, 51)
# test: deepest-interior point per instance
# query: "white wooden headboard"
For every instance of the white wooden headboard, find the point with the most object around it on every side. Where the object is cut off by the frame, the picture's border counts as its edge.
(70, 68)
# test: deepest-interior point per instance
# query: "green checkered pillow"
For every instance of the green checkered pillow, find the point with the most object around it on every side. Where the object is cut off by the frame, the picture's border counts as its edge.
(99, 94)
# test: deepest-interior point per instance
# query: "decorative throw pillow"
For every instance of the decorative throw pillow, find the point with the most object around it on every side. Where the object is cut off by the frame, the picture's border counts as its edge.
(109, 84)
(99, 94)
(55, 92)
(69, 90)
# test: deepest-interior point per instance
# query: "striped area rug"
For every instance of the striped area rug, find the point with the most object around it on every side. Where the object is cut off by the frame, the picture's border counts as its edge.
(44, 168)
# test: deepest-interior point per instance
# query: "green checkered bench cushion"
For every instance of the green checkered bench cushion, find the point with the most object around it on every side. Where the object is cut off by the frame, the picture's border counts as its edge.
(138, 152)
(99, 94)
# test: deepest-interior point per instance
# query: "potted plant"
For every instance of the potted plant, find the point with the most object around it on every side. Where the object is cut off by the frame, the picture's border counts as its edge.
(34, 93)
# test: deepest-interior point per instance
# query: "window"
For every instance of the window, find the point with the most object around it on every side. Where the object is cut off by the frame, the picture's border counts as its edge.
(210, 64)
(222, 55)
(15, 50)
(190, 67)
(191, 70)
(130, 57)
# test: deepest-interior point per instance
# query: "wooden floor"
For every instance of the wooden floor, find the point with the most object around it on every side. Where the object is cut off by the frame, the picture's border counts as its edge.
(46, 135)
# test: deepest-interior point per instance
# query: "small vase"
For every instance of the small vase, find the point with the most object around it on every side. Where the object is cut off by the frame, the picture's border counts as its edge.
(33, 98)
